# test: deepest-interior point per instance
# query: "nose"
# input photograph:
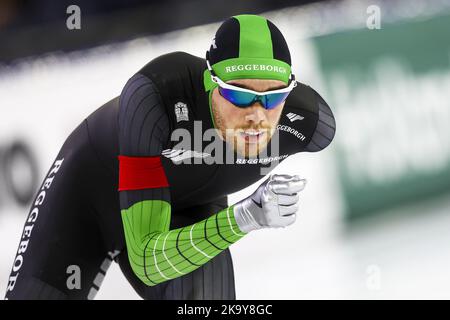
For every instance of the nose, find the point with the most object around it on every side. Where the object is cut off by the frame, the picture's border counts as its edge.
(255, 113)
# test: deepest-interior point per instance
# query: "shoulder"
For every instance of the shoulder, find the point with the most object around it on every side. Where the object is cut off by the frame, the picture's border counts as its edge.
(143, 122)
(177, 76)
(308, 112)
(150, 98)
(173, 66)
(168, 75)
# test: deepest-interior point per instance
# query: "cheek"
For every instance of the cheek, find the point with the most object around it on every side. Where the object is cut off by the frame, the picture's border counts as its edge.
(223, 104)
(274, 115)
(228, 113)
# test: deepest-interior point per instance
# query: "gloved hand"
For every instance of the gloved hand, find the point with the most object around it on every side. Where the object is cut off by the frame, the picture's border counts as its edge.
(272, 205)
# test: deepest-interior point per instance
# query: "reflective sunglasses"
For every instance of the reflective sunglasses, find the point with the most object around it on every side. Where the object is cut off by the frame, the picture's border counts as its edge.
(243, 98)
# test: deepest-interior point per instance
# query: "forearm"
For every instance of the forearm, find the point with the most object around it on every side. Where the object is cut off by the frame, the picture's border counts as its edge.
(158, 256)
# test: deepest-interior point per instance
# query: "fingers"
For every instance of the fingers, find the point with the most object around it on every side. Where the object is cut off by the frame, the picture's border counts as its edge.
(289, 220)
(286, 184)
(285, 200)
(288, 214)
(286, 211)
(297, 186)
(281, 177)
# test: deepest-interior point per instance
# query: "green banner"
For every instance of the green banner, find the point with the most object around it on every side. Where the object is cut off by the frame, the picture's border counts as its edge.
(390, 90)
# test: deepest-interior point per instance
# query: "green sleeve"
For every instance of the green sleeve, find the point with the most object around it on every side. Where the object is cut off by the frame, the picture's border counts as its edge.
(158, 254)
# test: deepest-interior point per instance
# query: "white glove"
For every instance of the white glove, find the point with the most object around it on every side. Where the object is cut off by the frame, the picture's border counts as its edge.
(272, 205)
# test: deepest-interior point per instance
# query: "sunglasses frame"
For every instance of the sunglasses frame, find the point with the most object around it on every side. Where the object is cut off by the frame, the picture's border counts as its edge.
(225, 85)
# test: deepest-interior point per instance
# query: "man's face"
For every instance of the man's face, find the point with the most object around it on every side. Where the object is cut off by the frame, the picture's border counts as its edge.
(247, 129)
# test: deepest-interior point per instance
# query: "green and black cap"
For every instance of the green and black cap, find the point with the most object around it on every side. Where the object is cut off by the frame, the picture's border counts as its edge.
(249, 47)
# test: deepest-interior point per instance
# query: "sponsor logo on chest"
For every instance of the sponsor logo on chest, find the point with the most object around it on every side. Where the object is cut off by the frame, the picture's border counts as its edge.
(181, 111)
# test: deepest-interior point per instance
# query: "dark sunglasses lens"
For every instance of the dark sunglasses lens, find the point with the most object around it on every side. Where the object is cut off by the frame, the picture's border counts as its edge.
(238, 98)
(271, 101)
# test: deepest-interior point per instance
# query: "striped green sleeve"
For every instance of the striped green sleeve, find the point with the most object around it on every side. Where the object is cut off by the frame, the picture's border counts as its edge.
(158, 254)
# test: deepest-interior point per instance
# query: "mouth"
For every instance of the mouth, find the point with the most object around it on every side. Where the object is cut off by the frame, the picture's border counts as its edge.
(252, 135)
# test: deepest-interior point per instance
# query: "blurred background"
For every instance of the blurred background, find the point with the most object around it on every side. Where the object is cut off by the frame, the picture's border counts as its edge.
(374, 221)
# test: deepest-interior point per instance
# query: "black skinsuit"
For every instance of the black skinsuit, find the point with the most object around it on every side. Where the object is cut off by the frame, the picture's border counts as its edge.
(78, 221)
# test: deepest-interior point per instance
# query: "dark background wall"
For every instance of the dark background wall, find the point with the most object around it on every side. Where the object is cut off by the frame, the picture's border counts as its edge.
(30, 27)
